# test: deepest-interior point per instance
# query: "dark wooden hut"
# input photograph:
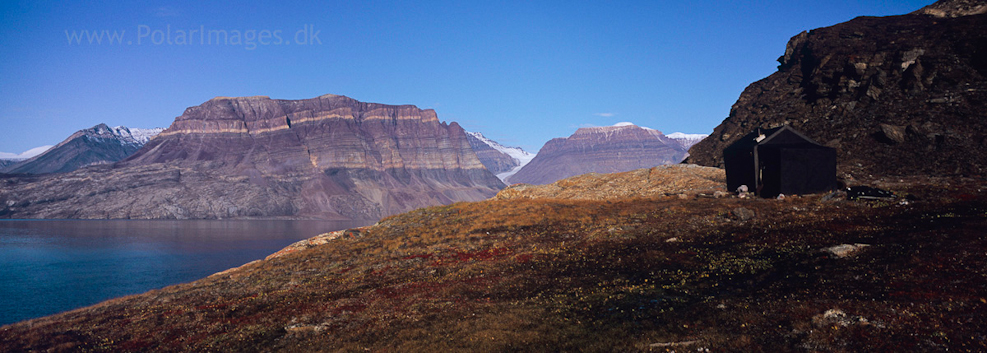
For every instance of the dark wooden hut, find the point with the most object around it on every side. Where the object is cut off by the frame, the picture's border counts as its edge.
(780, 161)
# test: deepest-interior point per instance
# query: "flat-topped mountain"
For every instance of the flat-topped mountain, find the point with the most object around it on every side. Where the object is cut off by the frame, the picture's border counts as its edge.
(99, 144)
(899, 95)
(329, 157)
(608, 149)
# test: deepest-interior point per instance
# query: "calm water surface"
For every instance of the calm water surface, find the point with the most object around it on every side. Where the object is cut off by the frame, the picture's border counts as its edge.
(50, 266)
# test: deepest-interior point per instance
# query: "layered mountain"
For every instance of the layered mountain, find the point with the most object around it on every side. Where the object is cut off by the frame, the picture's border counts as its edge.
(609, 149)
(99, 144)
(501, 160)
(329, 157)
(899, 95)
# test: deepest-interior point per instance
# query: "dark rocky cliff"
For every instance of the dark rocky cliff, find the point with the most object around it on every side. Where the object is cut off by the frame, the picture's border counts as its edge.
(329, 157)
(900, 95)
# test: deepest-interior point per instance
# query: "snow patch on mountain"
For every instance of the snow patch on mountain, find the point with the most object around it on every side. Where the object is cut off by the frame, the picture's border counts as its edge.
(680, 136)
(134, 136)
(687, 140)
(633, 124)
(609, 131)
(142, 136)
(519, 155)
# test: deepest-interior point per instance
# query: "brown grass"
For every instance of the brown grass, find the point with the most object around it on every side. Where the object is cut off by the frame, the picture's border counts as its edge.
(550, 275)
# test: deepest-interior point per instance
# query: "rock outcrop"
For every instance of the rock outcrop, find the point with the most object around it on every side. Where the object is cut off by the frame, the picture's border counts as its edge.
(899, 95)
(329, 157)
(954, 8)
(99, 144)
(608, 149)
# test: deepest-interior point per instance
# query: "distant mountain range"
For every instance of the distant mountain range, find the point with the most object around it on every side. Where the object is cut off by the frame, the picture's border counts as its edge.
(102, 144)
(99, 144)
(326, 157)
(609, 149)
(329, 157)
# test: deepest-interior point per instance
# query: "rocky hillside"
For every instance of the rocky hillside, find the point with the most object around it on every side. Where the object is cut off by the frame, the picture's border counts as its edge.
(677, 179)
(99, 144)
(329, 157)
(899, 95)
(608, 149)
(646, 273)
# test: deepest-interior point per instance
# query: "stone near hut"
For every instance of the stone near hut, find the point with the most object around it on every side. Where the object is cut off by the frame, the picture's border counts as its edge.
(834, 196)
(742, 213)
(892, 134)
(838, 317)
(845, 250)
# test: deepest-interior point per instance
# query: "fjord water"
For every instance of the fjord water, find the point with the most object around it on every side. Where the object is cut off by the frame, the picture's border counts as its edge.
(50, 266)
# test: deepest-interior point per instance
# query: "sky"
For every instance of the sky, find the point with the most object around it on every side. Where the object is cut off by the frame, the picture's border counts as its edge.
(519, 72)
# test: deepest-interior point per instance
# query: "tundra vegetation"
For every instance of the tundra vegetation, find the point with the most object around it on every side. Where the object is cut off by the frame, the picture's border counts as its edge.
(663, 273)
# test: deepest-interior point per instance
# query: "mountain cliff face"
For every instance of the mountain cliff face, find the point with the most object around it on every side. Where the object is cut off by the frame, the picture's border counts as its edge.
(608, 149)
(329, 157)
(501, 160)
(99, 144)
(900, 95)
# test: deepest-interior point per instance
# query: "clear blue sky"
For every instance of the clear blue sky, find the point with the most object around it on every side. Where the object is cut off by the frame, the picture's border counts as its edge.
(520, 72)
